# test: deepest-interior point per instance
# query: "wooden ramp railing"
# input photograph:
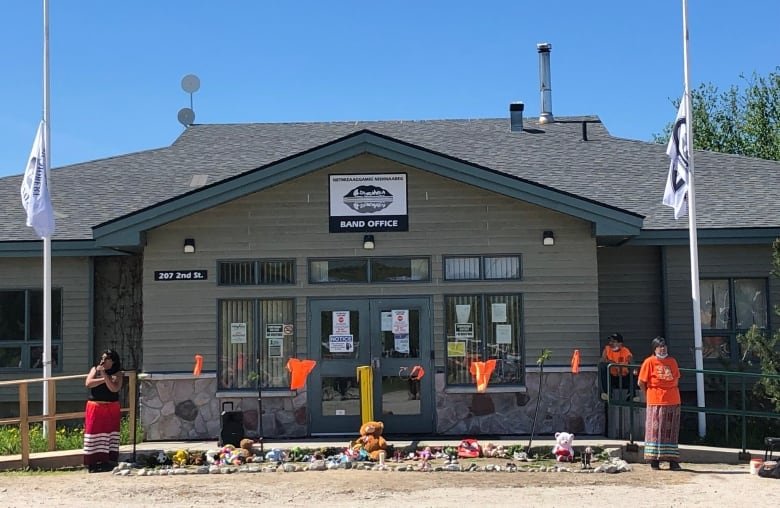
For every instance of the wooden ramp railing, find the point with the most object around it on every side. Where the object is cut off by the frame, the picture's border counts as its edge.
(50, 421)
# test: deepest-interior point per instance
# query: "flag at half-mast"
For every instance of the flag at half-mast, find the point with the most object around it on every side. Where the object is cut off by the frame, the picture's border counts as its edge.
(35, 189)
(676, 192)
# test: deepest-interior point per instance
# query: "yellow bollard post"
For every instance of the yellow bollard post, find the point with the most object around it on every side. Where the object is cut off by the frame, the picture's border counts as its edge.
(365, 375)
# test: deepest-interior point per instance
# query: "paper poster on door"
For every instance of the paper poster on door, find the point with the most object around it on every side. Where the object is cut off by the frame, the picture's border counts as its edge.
(400, 322)
(274, 331)
(387, 321)
(341, 344)
(498, 312)
(275, 348)
(238, 333)
(456, 349)
(464, 331)
(341, 322)
(462, 313)
(402, 343)
(503, 334)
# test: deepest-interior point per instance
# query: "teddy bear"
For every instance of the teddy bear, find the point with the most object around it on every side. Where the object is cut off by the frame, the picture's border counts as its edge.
(563, 449)
(371, 439)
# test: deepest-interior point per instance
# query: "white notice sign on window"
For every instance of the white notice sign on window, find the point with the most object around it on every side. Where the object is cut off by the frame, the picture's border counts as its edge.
(341, 322)
(503, 334)
(238, 333)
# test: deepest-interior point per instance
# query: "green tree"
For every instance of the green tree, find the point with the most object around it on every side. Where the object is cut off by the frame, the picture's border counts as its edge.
(764, 348)
(743, 121)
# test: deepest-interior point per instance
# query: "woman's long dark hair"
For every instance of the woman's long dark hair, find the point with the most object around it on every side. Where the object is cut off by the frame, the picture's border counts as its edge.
(116, 364)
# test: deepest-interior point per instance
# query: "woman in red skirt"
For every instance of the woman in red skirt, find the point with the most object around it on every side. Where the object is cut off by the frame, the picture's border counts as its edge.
(101, 418)
(659, 378)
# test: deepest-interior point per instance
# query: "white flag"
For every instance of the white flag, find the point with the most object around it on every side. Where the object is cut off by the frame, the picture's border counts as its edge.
(676, 192)
(35, 190)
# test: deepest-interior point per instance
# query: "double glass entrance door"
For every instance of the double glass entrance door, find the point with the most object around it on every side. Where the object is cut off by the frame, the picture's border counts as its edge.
(392, 336)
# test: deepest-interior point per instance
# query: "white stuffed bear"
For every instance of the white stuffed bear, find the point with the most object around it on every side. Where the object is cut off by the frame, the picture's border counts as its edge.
(563, 449)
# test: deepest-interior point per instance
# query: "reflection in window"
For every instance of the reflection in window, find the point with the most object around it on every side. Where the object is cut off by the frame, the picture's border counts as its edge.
(399, 269)
(750, 303)
(340, 396)
(21, 328)
(714, 304)
(339, 270)
(715, 347)
(729, 307)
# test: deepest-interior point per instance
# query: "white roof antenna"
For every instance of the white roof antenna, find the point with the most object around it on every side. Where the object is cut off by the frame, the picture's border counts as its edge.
(190, 84)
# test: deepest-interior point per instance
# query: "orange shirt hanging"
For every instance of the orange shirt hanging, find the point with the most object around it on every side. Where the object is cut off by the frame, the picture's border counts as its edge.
(299, 370)
(482, 372)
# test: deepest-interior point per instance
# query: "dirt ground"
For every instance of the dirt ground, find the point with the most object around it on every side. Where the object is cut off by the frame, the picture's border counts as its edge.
(697, 485)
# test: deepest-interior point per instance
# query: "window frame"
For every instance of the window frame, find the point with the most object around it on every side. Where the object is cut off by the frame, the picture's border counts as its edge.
(483, 258)
(256, 335)
(27, 344)
(369, 269)
(257, 268)
(484, 320)
(732, 331)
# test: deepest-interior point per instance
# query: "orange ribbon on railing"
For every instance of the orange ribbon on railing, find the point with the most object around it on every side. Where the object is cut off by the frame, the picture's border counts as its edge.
(575, 362)
(299, 370)
(198, 365)
(482, 372)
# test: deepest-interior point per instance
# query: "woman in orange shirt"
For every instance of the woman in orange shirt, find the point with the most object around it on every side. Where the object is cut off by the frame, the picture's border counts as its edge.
(659, 377)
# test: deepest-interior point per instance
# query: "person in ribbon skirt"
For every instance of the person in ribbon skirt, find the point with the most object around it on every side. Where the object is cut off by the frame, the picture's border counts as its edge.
(659, 379)
(102, 413)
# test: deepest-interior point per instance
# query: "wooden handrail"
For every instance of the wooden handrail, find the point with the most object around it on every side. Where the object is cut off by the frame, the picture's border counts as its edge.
(25, 419)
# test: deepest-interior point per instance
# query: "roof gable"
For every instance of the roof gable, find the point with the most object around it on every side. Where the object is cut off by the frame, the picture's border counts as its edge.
(127, 230)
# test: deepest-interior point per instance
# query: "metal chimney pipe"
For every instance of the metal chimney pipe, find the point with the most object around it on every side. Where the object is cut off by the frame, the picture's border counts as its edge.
(516, 116)
(545, 84)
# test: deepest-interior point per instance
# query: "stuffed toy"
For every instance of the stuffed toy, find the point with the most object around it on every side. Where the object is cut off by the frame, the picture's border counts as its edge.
(563, 449)
(371, 440)
(469, 448)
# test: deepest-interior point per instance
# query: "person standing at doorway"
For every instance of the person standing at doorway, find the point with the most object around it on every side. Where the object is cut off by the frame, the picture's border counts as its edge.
(615, 352)
(102, 413)
(659, 379)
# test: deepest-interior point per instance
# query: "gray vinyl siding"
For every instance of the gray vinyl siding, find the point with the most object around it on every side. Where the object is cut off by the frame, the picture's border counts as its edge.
(559, 283)
(631, 296)
(714, 261)
(72, 275)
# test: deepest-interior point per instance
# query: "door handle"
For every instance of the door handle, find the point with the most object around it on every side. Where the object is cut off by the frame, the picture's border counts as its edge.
(375, 363)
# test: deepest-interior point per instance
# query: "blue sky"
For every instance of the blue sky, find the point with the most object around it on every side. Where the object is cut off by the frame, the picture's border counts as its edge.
(116, 67)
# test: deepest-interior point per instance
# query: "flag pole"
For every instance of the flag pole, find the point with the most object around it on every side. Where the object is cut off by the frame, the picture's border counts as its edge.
(47, 353)
(694, 251)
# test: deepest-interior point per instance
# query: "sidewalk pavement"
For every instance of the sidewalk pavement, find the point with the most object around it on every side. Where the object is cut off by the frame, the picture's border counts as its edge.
(688, 453)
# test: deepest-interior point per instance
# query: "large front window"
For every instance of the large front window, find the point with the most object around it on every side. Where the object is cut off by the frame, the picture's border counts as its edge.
(21, 329)
(256, 338)
(729, 307)
(480, 328)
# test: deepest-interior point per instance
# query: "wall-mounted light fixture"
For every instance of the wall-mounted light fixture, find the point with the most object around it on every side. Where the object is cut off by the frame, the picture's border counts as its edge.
(189, 245)
(548, 238)
(368, 242)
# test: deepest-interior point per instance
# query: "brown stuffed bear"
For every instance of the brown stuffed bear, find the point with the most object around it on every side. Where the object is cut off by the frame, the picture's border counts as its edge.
(371, 439)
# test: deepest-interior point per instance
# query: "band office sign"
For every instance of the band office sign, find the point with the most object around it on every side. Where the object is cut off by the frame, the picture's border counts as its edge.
(368, 203)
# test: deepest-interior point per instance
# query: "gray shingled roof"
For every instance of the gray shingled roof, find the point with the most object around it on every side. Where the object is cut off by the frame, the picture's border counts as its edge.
(731, 191)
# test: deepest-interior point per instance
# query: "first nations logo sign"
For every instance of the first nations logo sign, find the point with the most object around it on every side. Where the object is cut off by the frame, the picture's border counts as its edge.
(364, 203)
